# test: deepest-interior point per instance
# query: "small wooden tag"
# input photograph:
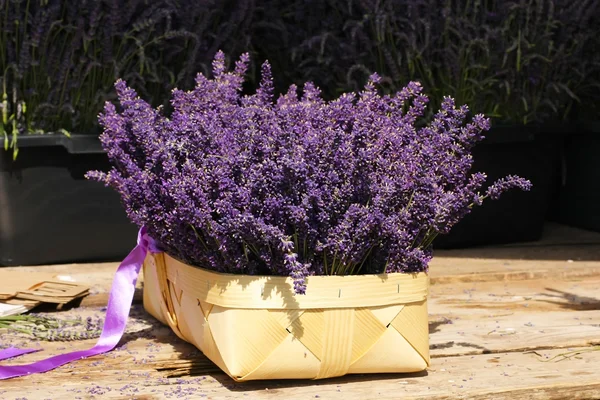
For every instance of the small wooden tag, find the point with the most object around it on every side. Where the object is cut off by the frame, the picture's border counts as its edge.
(54, 291)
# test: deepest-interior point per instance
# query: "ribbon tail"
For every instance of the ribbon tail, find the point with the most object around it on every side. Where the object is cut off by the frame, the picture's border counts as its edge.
(11, 352)
(117, 312)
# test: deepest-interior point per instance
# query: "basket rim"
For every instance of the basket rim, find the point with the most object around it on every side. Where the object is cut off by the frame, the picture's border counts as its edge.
(280, 277)
(276, 292)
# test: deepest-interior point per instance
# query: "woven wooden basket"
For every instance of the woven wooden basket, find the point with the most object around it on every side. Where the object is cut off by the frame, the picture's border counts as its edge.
(254, 327)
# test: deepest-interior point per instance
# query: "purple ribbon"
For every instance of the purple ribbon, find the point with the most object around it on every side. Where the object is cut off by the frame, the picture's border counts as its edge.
(117, 312)
(11, 352)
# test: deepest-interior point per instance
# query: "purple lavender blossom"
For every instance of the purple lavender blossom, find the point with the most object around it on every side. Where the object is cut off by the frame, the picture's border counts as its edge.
(506, 183)
(298, 186)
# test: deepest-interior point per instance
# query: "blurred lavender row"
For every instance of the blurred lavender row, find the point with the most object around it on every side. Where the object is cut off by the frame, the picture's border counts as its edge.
(60, 59)
(517, 61)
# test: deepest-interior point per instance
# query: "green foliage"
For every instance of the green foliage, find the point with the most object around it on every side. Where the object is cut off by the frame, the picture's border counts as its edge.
(518, 61)
(59, 59)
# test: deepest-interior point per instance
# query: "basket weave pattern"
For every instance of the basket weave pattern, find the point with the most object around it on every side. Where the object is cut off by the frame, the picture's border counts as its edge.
(255, 328)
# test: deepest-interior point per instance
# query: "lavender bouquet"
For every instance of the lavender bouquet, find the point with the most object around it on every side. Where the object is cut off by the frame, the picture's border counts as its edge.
(298, 186)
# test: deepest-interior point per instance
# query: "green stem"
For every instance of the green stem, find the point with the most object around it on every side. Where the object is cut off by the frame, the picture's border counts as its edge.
(353, 271)
(199, 237)
(245, 251)
(333, 267)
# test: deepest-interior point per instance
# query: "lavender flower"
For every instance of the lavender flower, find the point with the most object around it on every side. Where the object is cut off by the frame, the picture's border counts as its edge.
(298, 186)
(506, 183)
(53, 329)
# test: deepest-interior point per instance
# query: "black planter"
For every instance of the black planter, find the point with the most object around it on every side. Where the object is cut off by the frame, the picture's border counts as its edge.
(49, 213)
(517, 216)
(579, 200)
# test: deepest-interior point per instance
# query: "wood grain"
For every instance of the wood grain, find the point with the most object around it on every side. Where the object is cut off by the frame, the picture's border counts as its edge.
(148, 368)
(499, 322)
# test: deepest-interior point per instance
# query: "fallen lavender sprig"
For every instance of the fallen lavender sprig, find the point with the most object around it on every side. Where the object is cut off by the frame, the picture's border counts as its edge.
(53, 329)
(298, 186)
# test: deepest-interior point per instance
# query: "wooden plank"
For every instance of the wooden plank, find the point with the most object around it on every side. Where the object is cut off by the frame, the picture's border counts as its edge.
(488, 309)
(441, 276)
(515, 332)
(563, 252)
(463, 269)
(471, 319)
(443, 270)
(483, 332)
(486, 262)
(488, 317)
(135, 372)
(475, 299)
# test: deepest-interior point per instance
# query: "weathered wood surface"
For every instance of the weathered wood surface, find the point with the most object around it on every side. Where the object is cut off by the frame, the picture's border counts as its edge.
(503, 325)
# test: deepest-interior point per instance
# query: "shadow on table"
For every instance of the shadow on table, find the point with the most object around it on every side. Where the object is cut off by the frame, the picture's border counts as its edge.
(447, 345)
(435, 325)
(273, 385)
(573, 301)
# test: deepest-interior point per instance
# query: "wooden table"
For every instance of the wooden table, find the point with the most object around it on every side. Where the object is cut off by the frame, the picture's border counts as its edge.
(510, 322)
